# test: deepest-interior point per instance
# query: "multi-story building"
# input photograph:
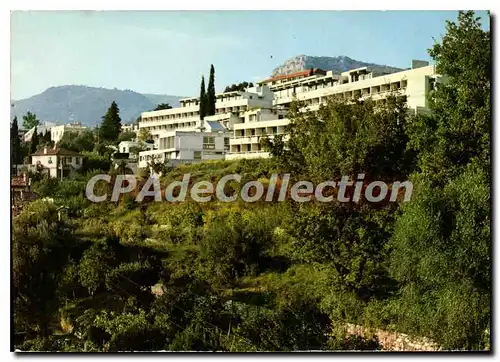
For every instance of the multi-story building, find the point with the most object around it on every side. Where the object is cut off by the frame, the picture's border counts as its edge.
(186, 146)
(132, 127)
(40, 129)
(313, 87)
(246, 117)
(180, 136)
(57, 132)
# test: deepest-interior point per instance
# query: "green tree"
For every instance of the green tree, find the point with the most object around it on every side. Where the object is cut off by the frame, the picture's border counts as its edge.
(203, 99)
(459, 127)
(442, 241)
(39, 250)
(161, 106)
(46, 138)
(30, 121)
(145, 135)
(238, 87)
(15, 143)
(211, 92)
(127, 136)
(78, 141)
(346, 138)
(111, 124)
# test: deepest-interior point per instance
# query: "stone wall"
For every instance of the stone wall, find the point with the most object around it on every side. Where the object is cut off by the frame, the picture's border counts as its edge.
(394, 341)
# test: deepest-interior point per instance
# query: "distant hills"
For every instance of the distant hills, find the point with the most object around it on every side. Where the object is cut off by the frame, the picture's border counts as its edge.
(336, 64)
(68, 103)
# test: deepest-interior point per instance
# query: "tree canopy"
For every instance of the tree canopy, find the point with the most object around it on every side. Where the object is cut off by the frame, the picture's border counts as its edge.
(161, 106)
(111, 124)
(30, 121)
(238, 87)
(211, 99)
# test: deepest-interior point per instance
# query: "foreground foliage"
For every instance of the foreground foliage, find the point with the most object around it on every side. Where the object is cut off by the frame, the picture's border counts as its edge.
(281, 276)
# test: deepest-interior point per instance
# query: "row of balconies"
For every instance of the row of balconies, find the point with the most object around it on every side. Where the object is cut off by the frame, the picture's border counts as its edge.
(357, 93)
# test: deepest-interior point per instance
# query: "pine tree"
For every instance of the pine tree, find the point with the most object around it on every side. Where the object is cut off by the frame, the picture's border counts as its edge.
(211, 92)
(111, 124)
(34, 141)
(203, 99)
(15, 143)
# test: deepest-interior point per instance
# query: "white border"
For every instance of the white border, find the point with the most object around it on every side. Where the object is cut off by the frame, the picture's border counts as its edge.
(189, 5)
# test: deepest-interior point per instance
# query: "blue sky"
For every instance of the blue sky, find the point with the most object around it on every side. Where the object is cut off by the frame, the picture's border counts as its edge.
(166, 52)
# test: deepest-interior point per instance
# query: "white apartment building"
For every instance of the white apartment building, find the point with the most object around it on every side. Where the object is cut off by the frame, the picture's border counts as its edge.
(130, 128)
(186, 146)
(57, 132)
(245, 117)
(40, 129)
(180, 136)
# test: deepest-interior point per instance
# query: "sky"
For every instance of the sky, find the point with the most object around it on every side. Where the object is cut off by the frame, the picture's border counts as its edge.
(167, 52)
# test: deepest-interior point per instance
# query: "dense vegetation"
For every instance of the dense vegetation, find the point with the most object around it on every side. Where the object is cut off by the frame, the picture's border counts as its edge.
(282, 276)
(238, 87)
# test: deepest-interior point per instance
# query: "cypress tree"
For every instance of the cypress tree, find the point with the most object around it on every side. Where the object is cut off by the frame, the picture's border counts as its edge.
(34, 141)
(211, 92)
(111, 124)
(46, 137)
(203, 99)
(15, 143)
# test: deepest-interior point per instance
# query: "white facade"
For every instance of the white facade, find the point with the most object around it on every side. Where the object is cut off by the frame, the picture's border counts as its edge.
(186, 146)
(52, 159)
(57, 132)
(313, 90)
(180, 136)
(130, 128)
(126, 146)
(41, 128)
(230, 108)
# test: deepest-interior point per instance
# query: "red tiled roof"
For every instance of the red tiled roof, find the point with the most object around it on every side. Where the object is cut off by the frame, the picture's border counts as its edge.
(303, 73)
(17, 181)
(58, 151)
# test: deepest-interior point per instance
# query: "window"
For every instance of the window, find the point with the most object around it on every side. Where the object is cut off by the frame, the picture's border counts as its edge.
(208, 143)
(77, 160)
(226, 141)
(209, 139)
(197, 155)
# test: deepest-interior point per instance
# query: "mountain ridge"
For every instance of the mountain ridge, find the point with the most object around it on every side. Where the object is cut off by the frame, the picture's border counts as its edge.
(87, 104)
(337, 64)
